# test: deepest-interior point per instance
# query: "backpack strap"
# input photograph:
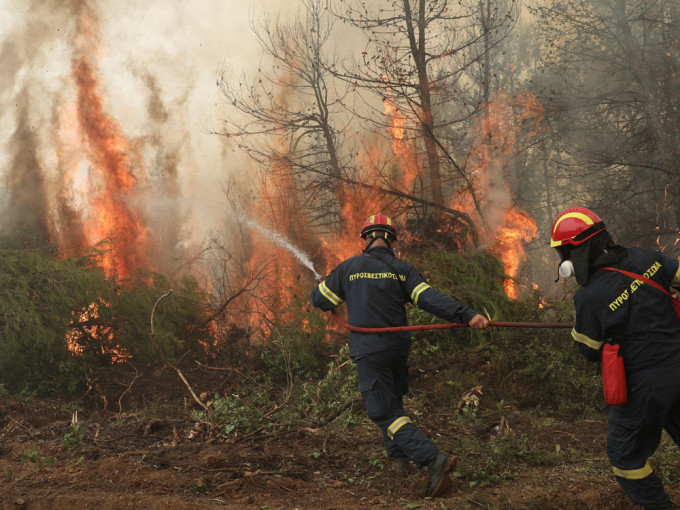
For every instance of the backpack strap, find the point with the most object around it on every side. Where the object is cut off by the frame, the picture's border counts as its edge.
(641, 278)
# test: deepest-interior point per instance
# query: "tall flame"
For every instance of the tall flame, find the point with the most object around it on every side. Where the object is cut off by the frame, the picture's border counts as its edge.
(410, 171)
(112, 159)
(518, 228)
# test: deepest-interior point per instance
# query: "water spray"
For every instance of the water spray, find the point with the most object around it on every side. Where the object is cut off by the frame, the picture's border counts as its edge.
(305, 261)
(284, 243)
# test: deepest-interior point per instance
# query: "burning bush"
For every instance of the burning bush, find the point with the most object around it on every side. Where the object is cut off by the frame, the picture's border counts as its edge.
(62, 320)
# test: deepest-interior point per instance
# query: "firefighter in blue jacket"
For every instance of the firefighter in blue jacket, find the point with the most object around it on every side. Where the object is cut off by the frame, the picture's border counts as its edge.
(614, 308)
(376, 285)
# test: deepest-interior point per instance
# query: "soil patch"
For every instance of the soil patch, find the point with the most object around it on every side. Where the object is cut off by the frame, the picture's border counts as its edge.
(159, 458)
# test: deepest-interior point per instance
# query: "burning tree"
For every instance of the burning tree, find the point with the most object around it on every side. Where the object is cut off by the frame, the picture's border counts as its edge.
(289, 118)
(422, 152)
(422, 59)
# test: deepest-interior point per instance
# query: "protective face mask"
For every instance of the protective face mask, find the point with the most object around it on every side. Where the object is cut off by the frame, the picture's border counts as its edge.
(566, 269)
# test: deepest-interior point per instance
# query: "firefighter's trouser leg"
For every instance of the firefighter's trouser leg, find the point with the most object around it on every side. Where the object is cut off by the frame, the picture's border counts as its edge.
(635, 433)
(392, 449)
(672, 424)
(383, 380)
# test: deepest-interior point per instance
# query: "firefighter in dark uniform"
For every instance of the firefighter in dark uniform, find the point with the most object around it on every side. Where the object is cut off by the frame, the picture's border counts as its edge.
(614, 308)
(376, 285)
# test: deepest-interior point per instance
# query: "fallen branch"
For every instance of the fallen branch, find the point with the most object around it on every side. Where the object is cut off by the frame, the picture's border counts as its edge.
(313, 428)
(129, 386)
(175, 368)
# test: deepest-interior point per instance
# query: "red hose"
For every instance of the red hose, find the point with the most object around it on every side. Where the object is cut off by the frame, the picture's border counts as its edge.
(423, 327)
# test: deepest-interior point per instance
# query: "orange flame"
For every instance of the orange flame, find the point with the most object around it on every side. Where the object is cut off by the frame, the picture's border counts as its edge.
(86, 319)
(502, 132)
(112, 157)
(518, 228)
(402, 148)
(277, 210)
(106, 212)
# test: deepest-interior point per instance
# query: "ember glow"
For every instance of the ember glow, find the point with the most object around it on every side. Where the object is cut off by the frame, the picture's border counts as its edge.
(85, 327)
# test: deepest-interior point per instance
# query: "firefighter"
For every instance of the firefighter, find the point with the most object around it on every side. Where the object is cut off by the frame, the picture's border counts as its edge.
(618, 309)
(376, 285)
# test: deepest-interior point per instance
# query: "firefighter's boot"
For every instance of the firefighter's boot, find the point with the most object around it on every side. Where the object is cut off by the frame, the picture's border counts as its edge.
(439, 468)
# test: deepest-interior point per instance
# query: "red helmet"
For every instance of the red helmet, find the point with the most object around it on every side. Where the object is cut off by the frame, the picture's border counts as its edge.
(376, 224)
(575, 226)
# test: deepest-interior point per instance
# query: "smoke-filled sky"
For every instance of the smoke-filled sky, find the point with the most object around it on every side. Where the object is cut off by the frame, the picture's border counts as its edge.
(141, 75)
(106, 120)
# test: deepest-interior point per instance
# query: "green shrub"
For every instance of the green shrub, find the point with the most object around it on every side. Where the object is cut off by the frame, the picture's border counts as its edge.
(474, 279)
(179, 322)
(296, 346)
(537, 368)
(36, 311)
(331, 393)
(237, 412)
(61, 320)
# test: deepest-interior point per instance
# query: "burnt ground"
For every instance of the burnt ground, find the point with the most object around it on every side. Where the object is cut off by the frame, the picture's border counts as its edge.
(158, 457)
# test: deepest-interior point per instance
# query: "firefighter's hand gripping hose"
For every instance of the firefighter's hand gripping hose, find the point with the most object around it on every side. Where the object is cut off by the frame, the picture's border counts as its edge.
(424, 327)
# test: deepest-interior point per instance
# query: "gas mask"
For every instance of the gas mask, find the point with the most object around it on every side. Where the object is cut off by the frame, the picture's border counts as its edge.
(581, 260)
(566, 269)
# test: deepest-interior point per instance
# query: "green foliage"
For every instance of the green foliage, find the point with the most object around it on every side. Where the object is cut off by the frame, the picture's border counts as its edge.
(665, 460)
(179, 320)
(296, 347)
(236, 412)
(330, 394)
(555, 378)
(490, 463)
(51, 309)
(310, 401)
(525, 368)
(39, 296)
(537, 368)
(74, 435)
(33, 455)
(475, 279)
(199, 487)
(543, 365)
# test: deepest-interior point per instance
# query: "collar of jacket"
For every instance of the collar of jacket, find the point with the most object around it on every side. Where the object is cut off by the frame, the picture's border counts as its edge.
(378, 249)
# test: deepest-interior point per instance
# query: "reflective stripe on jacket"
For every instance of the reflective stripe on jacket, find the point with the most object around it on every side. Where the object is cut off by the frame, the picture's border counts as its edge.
(376, 286)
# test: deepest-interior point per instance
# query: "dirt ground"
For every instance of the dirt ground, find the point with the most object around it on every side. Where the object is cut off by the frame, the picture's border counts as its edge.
(157, 458)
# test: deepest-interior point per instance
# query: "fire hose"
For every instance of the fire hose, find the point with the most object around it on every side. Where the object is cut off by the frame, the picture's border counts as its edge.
(423, 327)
